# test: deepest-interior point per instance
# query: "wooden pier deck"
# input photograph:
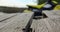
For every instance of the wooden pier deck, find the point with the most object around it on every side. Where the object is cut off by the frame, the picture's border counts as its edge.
(22, 22)
(16, 22)
(49, 24)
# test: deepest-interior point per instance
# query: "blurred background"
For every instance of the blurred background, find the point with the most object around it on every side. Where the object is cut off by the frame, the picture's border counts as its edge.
(19, 5)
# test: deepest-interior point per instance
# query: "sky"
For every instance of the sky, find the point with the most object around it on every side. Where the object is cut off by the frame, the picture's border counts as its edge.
(17, 3)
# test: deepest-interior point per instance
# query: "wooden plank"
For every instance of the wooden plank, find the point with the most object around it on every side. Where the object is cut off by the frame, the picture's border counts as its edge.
(17, 23)
(53, 20)
(54, 24)
(52, 14)
(39, 26)
(46, 25)
(6, 16)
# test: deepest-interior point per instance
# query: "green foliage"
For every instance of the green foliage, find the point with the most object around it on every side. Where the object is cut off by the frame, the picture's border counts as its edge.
(57, 1)
(43, 1)
(10, 9)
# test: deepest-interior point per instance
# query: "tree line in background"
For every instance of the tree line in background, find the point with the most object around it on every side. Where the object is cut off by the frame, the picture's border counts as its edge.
(43, 1)
(11, 9)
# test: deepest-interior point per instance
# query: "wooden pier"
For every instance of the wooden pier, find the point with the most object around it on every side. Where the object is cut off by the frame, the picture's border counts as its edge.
(49, 24)
(15, 22)
(24, 22)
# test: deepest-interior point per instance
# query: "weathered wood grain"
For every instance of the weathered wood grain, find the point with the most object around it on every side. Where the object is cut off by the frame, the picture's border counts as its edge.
(6, 16)
(16, 23)
(52, 14)
(39, 26)
(53, 20)
(46, 25)
(53, 24)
